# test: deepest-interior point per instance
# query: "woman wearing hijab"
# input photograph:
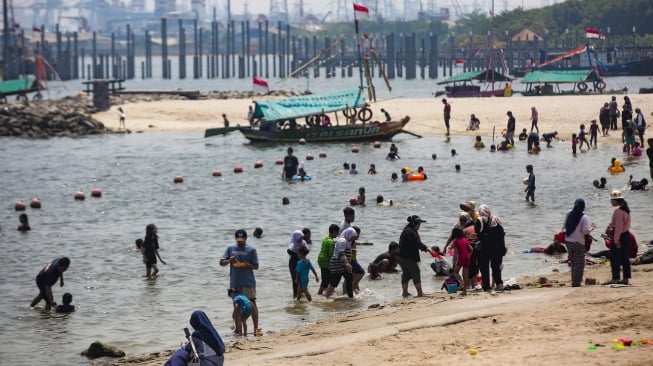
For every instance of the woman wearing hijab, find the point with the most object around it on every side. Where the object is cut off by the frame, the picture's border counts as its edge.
(340, 262)
(298, 239)
(576, 227)
(207, 341)
(620, 228)
(490, 233)
(408, 257)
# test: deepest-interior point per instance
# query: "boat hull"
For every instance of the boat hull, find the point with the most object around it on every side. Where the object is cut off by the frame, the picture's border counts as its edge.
(220, 131)
(374, 131)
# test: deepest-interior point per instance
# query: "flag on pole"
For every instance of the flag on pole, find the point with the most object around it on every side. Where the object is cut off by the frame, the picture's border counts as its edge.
(592, 33)
(260, 85)
(361, 12)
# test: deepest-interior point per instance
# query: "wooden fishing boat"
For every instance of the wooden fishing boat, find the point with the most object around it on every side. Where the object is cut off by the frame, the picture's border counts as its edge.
(328, 117)
(463, 85)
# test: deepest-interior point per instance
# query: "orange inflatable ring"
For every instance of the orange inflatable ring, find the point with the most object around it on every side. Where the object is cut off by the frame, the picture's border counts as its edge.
(416, 176)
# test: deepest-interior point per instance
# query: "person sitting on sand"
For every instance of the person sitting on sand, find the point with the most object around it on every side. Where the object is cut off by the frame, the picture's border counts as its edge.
(451, 280)
(556, 247)
(384, 263)
(474, 123)
(205, 340)
(644, 258)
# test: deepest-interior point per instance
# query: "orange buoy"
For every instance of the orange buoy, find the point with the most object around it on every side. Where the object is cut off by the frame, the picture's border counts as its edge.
(238, 169)
(178, 178)
(354, 149)
(279, 162)
(96, 192)
(19, 205)
(258, 164)
(377, 144)
(309, 156)
(323, 154)
(79, 195)
(302, 141)
(35, 203)
(217, 173)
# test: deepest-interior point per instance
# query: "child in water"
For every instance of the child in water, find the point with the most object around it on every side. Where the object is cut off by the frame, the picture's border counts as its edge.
(372, 169)
(242, 311)
(361, 196)
(394, 177)
(66, 307)
(353, 169)
(600, 183)
(523, 135)
(574, 142)
(302, 269)
(24, 223)
(479, 143)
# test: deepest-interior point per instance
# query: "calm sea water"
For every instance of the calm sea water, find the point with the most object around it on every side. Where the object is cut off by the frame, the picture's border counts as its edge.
(197, 219)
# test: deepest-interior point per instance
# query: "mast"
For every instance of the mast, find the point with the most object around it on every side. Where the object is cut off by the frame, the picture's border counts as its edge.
(360, 55)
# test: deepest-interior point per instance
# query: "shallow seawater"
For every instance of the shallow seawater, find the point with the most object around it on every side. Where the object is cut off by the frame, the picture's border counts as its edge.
(197, 220)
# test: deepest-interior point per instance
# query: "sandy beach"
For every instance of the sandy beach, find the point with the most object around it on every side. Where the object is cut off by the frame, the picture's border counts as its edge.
(557, 113)
(557, 325)
(535, 325)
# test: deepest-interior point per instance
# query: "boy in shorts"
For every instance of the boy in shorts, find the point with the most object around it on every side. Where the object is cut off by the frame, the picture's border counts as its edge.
(242, 311)
(302, 273)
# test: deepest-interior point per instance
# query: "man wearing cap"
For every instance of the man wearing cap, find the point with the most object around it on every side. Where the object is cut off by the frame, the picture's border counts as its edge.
(408, 257)
(242, 259)
(290, 164)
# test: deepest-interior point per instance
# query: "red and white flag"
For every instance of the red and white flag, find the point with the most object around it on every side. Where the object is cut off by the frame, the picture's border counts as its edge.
(592, 33)
(260, 85)
(361, 12)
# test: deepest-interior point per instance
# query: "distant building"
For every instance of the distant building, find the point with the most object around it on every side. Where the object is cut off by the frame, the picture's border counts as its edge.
(162, 7)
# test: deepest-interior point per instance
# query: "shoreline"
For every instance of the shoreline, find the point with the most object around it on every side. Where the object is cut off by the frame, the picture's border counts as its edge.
(557, 113)
(551, 324)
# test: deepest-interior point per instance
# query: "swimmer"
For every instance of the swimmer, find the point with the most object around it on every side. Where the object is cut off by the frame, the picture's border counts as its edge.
(345, 166)
(493, 148)
(394, 177)
(453, 152)
(258, 233)
(457, 166)
(479, 143)
(404, 175)
(434, 156)
(638, 185)
(600, 183)
(523, 135)
(372, 169)
(285, 201)
(420, 170)
(24, 223)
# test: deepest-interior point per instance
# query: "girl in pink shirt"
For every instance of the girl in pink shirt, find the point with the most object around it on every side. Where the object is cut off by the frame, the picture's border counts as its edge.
(463, 254)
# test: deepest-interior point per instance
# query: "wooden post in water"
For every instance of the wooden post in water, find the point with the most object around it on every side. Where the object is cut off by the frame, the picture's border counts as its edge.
(247, 50)
(259, 49)
(164, 48)
(196, 61)
(200, 52)
(316, 69)
(182, 50)
(422, 59)
(241, 55)
(267, 50)
(274, 54)
(233, 48)
(114, 67)
(390, 54)
(411, 57)
(81, 61)
(433, 56)
(75, 56)
(287, 63)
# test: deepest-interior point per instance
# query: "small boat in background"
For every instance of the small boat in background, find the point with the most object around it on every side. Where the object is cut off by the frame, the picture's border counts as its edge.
(463, 85)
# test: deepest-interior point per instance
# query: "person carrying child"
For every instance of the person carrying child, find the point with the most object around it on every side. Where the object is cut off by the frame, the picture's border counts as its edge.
(67, 306)
(304, 265)
(242, 311)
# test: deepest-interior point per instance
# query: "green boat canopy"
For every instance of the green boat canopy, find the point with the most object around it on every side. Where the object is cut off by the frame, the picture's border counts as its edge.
(560, 76)
(24, 84)
(482, 75)
(308, 105)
